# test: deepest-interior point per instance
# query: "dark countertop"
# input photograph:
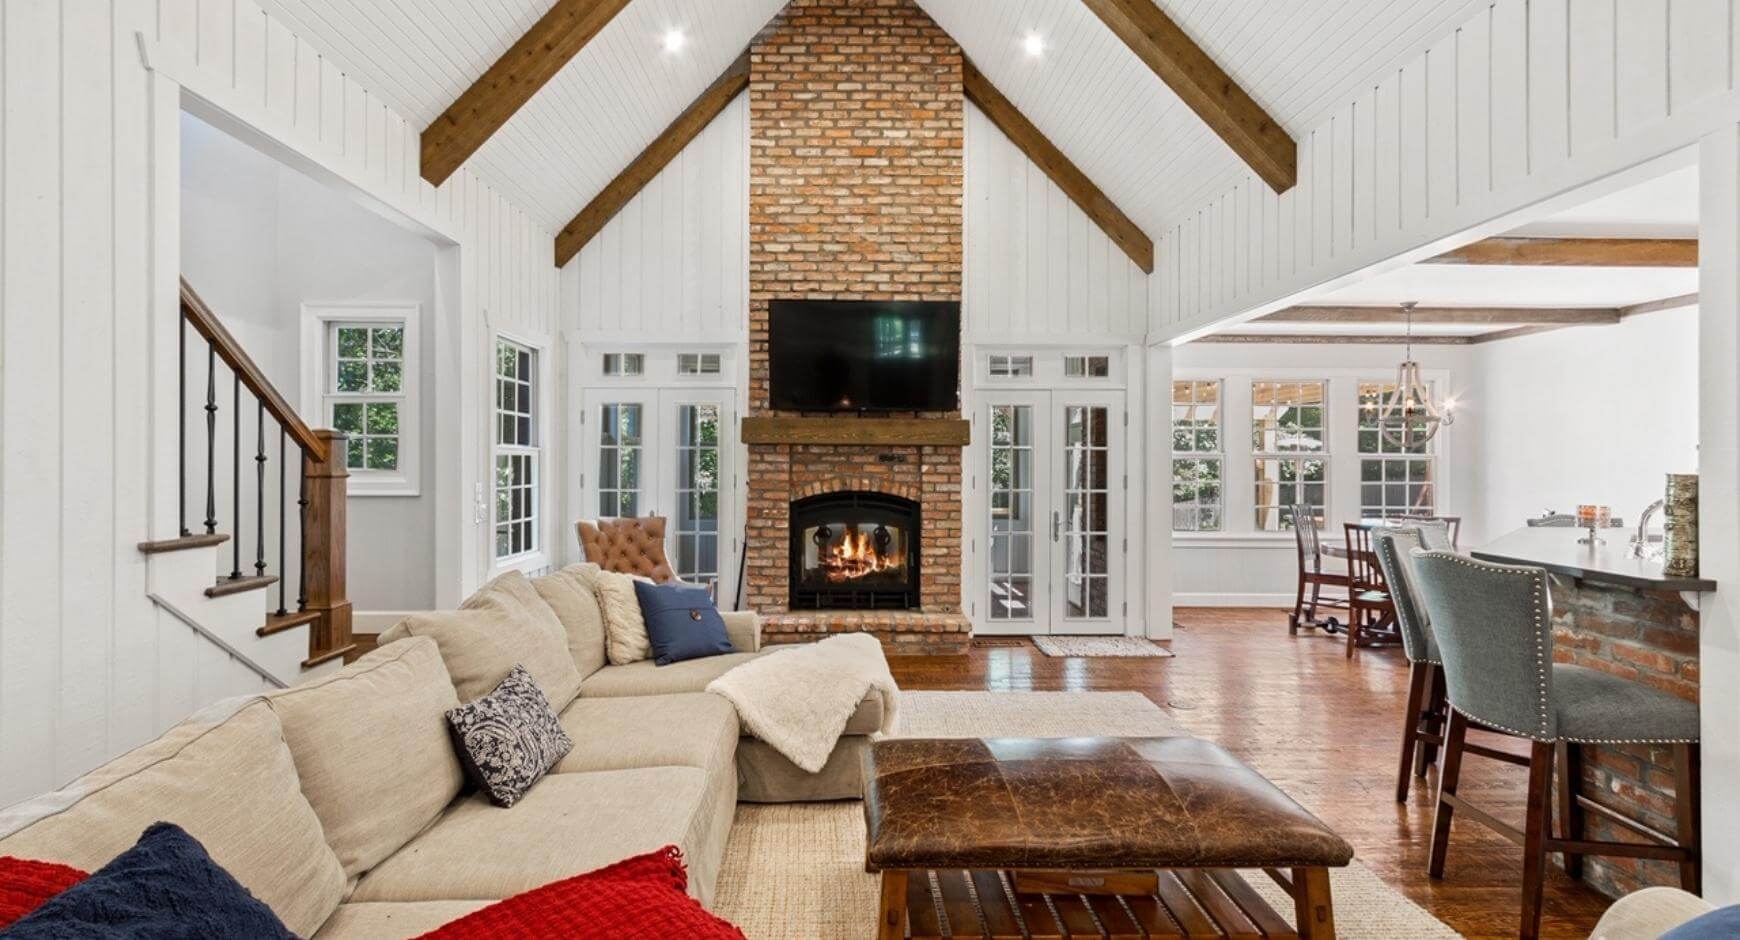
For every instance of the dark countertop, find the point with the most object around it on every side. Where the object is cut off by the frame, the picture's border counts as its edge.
(1610, 563)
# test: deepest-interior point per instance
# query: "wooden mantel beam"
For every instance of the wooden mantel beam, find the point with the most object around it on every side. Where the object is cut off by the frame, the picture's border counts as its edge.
(1577, 252)
(1068, 177)
(1559, 316)
(654, 158)
(1205, 87)
(527, 66)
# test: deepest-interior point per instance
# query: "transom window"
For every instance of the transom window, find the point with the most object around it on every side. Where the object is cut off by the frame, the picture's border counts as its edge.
(1393, 480)
(1197, 500)
(697, 363)
(365, 393)
(620, 364)
(1007, 367)
(1087, 367)
(518, 451)
(1290, 458)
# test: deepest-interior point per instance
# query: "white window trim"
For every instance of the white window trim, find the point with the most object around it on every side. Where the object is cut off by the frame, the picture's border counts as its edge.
(1344, 467)
(1326, 455)
(317, 364)
(1218, 455)
(539, 557)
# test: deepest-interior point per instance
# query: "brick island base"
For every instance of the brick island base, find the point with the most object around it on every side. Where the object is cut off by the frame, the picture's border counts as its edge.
(902, 632)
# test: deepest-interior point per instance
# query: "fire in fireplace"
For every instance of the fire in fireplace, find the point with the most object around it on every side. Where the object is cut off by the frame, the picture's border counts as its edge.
(854, 551)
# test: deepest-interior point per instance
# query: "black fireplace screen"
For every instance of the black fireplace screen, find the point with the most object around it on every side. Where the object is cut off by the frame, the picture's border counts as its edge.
(854, 551)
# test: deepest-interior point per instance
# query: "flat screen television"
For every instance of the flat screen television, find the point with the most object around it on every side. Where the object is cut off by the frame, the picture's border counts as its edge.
(835, 355)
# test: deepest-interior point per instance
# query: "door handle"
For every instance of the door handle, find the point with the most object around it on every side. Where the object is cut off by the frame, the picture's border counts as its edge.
(1056, 524)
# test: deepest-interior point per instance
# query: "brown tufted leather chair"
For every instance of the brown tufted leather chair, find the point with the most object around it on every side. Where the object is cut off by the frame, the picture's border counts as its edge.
(627, 546)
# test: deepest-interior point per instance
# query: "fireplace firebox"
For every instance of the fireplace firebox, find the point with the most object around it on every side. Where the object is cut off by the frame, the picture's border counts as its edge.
(854, 551)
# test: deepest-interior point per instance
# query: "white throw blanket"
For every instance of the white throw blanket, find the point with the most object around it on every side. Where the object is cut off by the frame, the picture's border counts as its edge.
(799, 699)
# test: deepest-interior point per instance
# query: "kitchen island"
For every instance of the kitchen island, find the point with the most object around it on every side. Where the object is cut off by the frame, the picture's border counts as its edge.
(1621, 614)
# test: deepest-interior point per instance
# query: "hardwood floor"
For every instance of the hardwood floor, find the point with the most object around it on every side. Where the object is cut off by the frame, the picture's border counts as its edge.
(1325, 729)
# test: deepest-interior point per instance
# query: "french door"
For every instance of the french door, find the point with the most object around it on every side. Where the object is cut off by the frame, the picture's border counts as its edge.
(1055, 512)
(666, 452)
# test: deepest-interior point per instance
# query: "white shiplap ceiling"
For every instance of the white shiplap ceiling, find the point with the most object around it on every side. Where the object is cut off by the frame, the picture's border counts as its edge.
(1088, 93)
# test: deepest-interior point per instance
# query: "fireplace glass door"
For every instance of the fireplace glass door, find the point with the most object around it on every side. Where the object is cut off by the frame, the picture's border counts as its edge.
(856, 551)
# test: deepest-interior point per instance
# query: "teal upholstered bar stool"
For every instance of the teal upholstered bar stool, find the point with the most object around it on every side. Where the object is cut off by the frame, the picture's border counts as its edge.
(1425, 718)
(1493, 627)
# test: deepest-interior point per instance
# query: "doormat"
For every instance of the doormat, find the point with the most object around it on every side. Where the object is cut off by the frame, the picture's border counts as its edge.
(1101, 647)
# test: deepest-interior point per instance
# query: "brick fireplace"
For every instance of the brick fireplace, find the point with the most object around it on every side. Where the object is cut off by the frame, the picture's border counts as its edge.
(856, 130)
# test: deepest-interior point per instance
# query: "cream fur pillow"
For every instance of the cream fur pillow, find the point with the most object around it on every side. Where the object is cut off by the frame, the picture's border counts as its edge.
(625, 639)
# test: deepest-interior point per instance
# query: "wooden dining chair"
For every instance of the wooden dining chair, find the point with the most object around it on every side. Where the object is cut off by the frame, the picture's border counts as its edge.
(1313, 578)
(1371, 610)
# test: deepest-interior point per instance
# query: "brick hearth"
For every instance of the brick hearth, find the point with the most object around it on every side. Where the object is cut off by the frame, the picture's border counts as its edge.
(856, 129)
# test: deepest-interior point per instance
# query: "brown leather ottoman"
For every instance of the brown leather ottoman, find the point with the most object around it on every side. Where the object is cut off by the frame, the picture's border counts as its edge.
(1025, 837)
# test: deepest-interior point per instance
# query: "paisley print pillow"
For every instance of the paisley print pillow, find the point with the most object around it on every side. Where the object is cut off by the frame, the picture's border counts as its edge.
(508, 739)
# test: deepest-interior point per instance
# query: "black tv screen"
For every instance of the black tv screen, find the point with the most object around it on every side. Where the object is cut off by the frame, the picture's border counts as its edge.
(832, 355)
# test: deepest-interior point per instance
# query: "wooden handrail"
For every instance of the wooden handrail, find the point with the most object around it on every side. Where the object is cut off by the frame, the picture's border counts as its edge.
(231, 352)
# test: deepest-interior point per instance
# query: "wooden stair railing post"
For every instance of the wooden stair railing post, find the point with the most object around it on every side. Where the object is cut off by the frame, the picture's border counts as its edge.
(323, 544)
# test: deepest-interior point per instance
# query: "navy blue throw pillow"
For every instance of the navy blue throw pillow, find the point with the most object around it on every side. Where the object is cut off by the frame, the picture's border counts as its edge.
(163, 888)
(1723, 922)
(681, 622)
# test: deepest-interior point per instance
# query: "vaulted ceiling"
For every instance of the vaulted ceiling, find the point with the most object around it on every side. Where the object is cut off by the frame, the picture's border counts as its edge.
(1100, 104)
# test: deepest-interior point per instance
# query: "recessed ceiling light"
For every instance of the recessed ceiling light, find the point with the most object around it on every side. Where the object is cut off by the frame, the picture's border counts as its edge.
(1034, 44)
(674, 41)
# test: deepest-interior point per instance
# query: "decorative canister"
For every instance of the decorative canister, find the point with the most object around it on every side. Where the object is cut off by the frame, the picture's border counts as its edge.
(1680, 526)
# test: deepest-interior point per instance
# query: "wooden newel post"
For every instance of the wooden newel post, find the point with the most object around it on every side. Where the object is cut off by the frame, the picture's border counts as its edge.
(323, 548)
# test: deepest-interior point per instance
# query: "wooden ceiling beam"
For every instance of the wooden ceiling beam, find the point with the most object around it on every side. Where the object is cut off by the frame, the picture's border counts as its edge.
(1577, 252)
(1068, 177)
(1331, 339)
(1448, 316)
(1205, 87)
(527, 66)
(657, 155)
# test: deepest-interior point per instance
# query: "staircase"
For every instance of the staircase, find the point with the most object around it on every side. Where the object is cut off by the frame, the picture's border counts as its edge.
(229, 575)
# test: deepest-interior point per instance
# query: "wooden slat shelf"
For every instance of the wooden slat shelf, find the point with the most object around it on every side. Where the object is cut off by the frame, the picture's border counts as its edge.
(183, 544)
(873, 432)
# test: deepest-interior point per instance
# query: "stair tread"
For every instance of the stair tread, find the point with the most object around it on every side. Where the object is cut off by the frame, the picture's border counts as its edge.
(290, 621)
(328, 656)
(228, 586)
(184, 543)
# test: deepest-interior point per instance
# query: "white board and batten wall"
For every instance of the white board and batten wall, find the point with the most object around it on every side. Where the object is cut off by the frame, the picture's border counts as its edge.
(89, 264)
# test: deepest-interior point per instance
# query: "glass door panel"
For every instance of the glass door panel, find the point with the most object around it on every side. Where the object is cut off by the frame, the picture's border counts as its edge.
(1087, 524)
(620, 464)
(694, 528)
(1012, 569)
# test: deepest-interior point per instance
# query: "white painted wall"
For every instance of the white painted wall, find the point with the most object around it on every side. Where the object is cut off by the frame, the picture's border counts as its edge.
(259, 240)
(1584, 415)
(1527, 101)
(89, 254)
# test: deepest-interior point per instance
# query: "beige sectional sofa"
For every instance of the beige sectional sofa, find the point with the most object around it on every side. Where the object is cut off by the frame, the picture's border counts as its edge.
(341, 803)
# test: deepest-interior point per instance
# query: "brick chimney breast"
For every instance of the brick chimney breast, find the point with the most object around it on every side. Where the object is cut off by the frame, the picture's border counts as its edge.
(857, 122)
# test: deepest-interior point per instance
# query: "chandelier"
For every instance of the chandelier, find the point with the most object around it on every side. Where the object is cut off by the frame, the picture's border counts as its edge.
(1407, 417)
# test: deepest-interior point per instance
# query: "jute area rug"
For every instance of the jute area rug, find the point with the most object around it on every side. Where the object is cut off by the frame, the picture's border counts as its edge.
(796, 871)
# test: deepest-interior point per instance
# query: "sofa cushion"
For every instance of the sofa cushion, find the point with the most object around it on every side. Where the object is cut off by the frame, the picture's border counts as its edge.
(226, 776)
(568, 824)
(693, 729)
(503, 625)
(372, 749)
(388, 920)
(569, 594)
(508, 739)
(166, 885)
(648, 678)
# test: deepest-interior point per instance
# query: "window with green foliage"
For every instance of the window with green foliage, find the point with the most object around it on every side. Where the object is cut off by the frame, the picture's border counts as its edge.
(365, 396)
(1393, 480)
(1288, 435)
(695, 528)
(518, 450)
(1198, 504)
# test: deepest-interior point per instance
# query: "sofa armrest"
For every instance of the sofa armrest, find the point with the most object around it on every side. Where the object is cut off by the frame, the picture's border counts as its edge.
(743, 627)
